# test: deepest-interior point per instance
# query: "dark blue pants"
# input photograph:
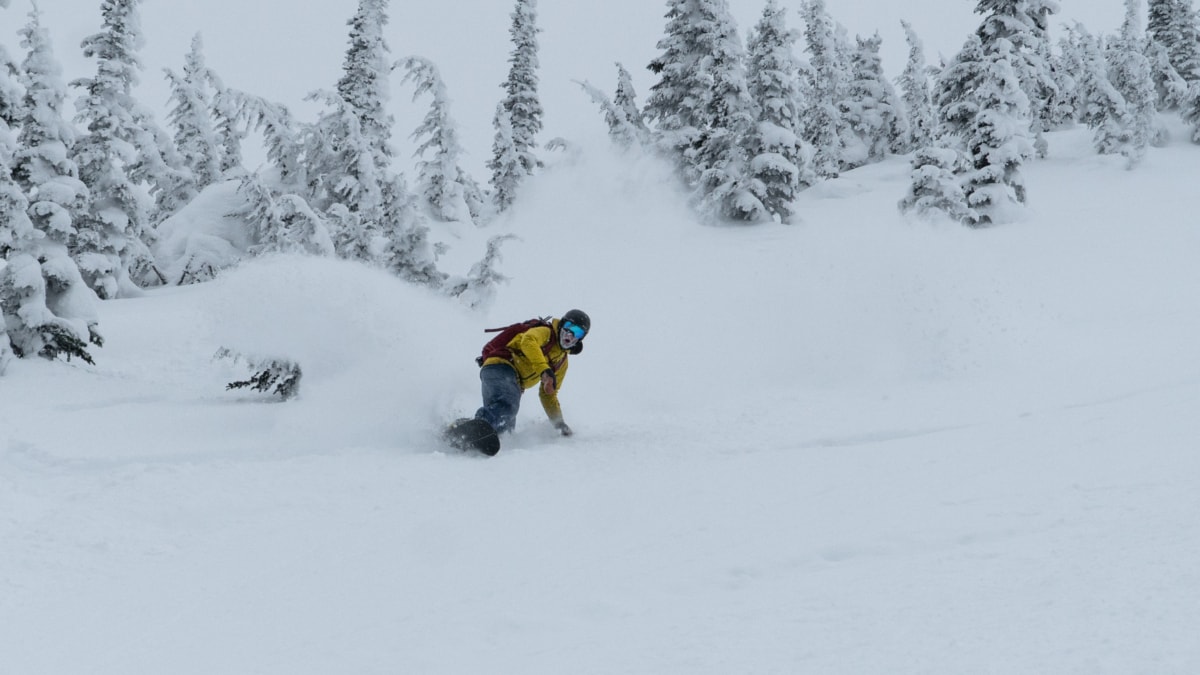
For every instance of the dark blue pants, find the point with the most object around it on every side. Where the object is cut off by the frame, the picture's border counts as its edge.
(501, 397)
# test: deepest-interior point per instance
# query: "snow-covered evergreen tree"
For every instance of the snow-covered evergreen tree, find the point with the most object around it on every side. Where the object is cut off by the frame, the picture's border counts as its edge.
(346, 152)
(674, 106)
(621, 113)
(521, 100)
(45, 307)
(113, 231)
(27, 289)
(935, 188)
(870, 108)
(229, 124)
(42, 164)
(823, 121)
(15, 226)
(407, 251)
(282, 223)
(998, 141)
(916, 95)
(1103, 107)
(984, 117)
(1170, 87)
(340, 169)
(44, 168)
(1130, 72)
(1067, 65)
(283, 137)
(479, 286)
(161, 169)
(954, 90)
(505, 164)
(1024, 24)
(364, 81)
(448, 189)
(779, 157)
(625, 99)
(1173, 24)
(191, 116)
(720, 159)
(1191, 112)
(622, 131)
(12, 201)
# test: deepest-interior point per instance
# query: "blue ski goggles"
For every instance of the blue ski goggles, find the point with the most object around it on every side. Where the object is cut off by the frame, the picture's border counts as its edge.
(577, 331)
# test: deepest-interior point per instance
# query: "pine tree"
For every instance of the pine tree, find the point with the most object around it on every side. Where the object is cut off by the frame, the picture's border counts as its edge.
(45, 308)
(1068, 68)
(191, 115)
(870, 108)
(625, 100)
(1062, 107)
(621, 113)
(1130, 73)
(720, 159)
(161, 169)
(42, 164)
(283, 137)
(114, 156)
(347, 152)
(282, 223)
(364, 81)
(16, 229)
(1103, 107)
(408, 253)
(701, 108)
(778, 156)
(823, 120)
(1170, 88)
(954, 90)
(998, 141)
(674, 106)
(521, 101)
(916, 95)
(341, 170)
(1191, 113)
(479, 286)
(1023, 23)
(984, 117)
(447, 188)
(9, 93)
(505, 164)
(935, 188)
(229, 124)
(1173, 24)
(622, 131)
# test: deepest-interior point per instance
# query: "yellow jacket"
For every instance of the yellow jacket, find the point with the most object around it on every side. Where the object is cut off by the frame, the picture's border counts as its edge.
(530, 361)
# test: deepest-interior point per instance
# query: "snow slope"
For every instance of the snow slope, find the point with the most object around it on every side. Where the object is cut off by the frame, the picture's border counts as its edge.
(853, 445)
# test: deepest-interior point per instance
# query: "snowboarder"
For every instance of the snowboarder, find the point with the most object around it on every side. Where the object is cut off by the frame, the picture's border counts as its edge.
(522, 356)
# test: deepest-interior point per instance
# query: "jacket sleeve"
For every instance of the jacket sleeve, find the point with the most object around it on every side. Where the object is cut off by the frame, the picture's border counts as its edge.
(550, 401)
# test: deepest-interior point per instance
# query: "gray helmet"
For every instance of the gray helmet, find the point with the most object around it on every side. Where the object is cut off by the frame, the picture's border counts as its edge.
(579, 318)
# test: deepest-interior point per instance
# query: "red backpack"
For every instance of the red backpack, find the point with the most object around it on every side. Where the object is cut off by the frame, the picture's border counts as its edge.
(498, 346)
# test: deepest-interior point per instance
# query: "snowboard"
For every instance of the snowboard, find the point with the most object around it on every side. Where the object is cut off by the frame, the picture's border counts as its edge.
(473, 435)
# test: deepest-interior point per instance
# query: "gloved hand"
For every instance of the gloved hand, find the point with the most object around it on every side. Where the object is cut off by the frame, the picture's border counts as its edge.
(549, 382)
(563, 429)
